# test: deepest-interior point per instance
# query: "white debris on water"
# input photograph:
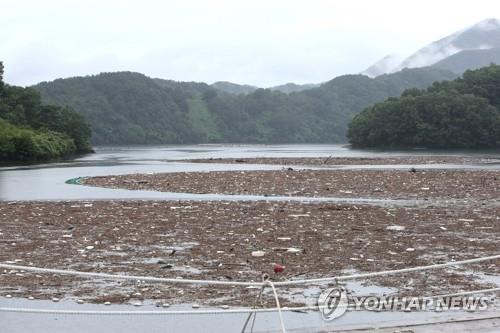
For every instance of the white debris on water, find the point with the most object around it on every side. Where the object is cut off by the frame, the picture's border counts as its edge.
(258, 253)
(395, 228)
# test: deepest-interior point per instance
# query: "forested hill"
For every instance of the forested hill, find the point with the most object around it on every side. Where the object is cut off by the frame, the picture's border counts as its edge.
(131, 108)
(464, 113)
(32, 131)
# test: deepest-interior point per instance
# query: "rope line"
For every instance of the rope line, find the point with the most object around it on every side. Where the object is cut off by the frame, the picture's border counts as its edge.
(128, 277)
(209, 312)
(245, 283)
(390, 272)
(172, 312)
(276, 298)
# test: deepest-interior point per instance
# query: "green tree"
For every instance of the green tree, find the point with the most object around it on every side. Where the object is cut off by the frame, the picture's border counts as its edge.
(463, 113)
(30, 130)
(130, 108)
(1, 73)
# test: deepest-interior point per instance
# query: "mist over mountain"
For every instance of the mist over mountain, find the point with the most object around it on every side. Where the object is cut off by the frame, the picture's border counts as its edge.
(233, 88)
(290, 87)
(131, 108)
(236, 89)
(473, 46)
(385, 65)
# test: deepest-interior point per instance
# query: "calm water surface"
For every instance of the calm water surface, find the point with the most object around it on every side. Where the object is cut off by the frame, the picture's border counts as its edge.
(47, 181)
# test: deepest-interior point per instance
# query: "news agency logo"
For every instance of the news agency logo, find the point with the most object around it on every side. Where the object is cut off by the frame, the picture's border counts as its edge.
(334, 302)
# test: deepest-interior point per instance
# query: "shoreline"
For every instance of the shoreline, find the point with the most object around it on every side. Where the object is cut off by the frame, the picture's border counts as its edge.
(331, 160)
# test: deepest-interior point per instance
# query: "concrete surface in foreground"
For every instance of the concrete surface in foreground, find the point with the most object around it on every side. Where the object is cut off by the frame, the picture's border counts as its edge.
(381, 322)
(491, 325)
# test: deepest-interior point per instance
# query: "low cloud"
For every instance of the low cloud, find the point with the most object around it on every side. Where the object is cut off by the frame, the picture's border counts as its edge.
(259, 43)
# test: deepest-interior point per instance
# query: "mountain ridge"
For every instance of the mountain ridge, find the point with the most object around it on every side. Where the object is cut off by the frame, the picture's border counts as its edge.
(483, 35)
(131, 108)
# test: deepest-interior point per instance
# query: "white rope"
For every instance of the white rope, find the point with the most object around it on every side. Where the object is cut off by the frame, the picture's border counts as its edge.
(128, 277)
(244, 283)
(282, 322)
(173, 312)
(388, 272)
(208, 312)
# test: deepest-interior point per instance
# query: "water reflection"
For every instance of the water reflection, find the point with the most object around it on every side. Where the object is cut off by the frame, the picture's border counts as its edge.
(47, 181)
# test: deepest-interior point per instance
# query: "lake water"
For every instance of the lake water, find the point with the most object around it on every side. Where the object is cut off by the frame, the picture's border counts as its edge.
(47, 181)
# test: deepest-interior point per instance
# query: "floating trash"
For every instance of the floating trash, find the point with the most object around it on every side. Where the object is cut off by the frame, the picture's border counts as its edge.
(395, 228)
(258, 253)
(278, 268)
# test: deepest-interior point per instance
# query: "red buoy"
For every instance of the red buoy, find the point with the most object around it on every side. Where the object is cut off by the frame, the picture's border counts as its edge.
(278, 268)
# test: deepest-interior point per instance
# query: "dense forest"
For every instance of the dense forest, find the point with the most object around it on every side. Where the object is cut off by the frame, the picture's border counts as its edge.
(464, 113)
(131, 108)
(32, 131)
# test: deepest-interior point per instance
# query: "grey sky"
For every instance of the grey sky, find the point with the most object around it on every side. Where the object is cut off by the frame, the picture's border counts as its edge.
(256, 42)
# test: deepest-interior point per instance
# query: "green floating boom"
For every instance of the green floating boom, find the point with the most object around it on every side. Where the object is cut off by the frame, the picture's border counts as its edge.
(75, 181)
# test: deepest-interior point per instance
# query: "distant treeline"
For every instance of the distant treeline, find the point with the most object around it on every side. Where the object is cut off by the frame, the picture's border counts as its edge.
(131, 108)
(464, 113)
(31, 131)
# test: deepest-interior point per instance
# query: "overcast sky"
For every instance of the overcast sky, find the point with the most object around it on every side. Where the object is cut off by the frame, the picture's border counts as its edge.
(256, 42)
